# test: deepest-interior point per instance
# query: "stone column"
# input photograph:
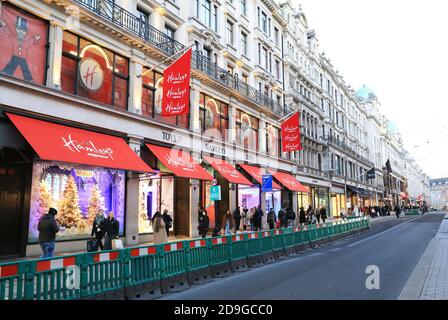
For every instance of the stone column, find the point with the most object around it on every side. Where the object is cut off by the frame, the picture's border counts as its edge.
(194, 201)
(194, 105)
(132, 198)
(264, 219)
(55, 56)
(135, 87)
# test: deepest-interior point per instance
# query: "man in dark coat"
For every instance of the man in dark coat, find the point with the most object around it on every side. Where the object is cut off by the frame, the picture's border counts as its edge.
(302, 216)
(237, 217)
(48, 228)
(258, 217)
(112, 228)
(168, 221)
(271, 219)
(397, 211)
(97, 229)
(204, 224)
(323, 213)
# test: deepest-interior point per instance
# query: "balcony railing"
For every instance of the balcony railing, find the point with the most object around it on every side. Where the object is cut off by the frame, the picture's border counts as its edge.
(122, 18)
(341, 145)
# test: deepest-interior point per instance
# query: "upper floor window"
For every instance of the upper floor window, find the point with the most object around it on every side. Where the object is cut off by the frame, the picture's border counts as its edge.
(264, 22)
(244, 7)
(207, 13)
(246, 130)
(23, 53)
(272, 140)
(93, 72)
(213, 116)
(169, 31)
(276, 36)
(244, 43)
(229, 32)
(152, 92)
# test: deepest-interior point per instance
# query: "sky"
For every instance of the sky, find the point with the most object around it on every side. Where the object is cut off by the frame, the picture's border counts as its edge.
(398, 48)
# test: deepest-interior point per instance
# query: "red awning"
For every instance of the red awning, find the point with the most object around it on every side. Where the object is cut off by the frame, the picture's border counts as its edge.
(57, 142)
(227, 171)
(257, 174)
(180, 163)
(289, 181)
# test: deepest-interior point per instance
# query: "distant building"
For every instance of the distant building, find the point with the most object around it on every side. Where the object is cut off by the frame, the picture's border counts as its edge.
(439, 193)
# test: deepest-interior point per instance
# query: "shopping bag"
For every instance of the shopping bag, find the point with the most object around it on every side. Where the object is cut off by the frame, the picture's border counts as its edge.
(117, 244)
(92, 245)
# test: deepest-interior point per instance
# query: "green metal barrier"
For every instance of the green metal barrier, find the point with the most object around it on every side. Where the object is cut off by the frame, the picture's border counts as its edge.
(267, 243)
(219, 250)
(12, 280)
(278, 239)
(254, 247)
(102, 272)
(197, 254)
(144, 265)
(289, 237)
(173, 260)
(238, 247)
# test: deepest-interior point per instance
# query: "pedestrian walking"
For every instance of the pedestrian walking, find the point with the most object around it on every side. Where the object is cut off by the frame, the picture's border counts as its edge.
(245, 218)
(252, 219)
(111, 227)
(227, 223)
(259, 215)
(397, 211)
(98, 230)
(323, 213)
(302, 216)
(159, 228)
(282, 218)
(204, 224)
(48, 228)
(237, 217)
(271, 219)
(291, 217)
(168, 221)
(318, 215)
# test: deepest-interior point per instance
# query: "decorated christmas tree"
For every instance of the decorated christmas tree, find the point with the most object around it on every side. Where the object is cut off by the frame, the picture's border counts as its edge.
(44, 200)
(69, 211)
(96, 204)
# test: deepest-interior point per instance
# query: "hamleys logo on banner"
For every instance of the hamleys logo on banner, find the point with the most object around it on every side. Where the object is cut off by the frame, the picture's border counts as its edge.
(91, 74)
(176, 87)
(181, 163)
(87, 147)
(232, 173)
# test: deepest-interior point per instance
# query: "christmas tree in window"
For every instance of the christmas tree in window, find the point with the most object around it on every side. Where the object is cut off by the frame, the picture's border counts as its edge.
(96, 204)
(69, 214)
(44, 200)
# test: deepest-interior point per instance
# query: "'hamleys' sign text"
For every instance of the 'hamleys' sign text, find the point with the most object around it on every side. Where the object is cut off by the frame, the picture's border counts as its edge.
(181, 163)
(176, 87)
(87, 147)
(291, 134)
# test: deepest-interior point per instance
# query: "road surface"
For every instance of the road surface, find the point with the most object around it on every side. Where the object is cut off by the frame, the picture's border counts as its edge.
(336, 271)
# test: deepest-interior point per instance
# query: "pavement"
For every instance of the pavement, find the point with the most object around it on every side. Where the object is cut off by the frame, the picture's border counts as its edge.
(429, 280)
(337, 271)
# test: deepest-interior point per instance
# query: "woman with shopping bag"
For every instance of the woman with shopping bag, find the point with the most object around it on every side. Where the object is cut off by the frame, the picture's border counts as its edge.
(111, 227)
(158, 226)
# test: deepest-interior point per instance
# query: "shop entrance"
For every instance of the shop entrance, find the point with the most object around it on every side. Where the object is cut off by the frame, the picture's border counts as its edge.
(12, 186)
(182, 208)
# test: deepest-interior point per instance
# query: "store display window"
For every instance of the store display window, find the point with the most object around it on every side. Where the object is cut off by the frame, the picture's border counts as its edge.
(78, 193)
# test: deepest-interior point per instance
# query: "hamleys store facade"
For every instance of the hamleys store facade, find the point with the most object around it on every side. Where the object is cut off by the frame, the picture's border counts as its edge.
(81, 130)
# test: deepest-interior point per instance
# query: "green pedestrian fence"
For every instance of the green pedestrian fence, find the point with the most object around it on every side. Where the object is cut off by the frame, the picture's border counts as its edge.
(56, 279)
(267, 245)
(290, 244)
(238, 252)
(198, 261)
(279, 246)
(254, 249)
(102, 274)
(173, 268)
(13, 280)
(220, 256)
(142, 273)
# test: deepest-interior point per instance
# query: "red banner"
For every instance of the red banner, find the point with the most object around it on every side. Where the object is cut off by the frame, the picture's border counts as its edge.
(291, 134)
(176, 87)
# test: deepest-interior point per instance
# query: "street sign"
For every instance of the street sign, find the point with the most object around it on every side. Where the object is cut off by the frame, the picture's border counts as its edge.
(266, 183)
(215, 193)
